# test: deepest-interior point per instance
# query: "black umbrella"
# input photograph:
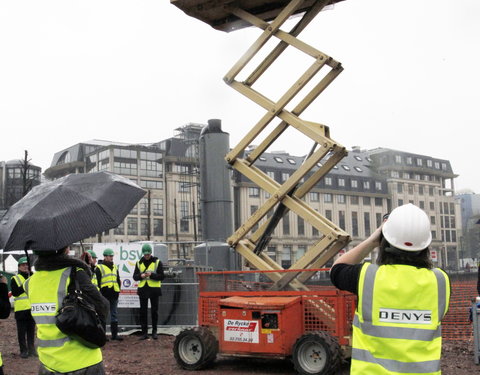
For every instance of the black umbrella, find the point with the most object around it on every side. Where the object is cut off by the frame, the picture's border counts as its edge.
(56, 214)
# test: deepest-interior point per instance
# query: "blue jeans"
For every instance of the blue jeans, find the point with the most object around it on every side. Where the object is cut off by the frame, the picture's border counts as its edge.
(113, 311)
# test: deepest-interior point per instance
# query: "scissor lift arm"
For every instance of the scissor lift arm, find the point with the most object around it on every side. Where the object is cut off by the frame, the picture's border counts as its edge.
(269, 16)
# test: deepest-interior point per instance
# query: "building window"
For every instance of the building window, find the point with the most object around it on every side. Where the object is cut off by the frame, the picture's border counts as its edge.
(378, 218)
(406, 176)
(367, 201)
(341, 219)
(419, 162)
(434, 234)
(158, 227)
(366, 223)
(395, 174)
(346, 167)
(132, 226)
(422, 204)
(144, 226)
(184, 226)
(437, 165)
(366, 185)
(278, 159)
(431, 191)
(285, 176)
(341, 182)
(378, 202)
(157, 206)
(444, 166)
(328, 214)
(409, 160)
(327, 198)
(400, 202)
(300, 226)
(253, 192)
(314, 196)
(291, 161)
(353, 199)
(120, 229)
(340, 198)
(271, 174)
(354, 224)
(286, 256)
(286, 225)
(432, 220)
(378, 185)
(328, 181)
(420, 190)
(432, 206)
(143, 206)
(354, 184)
(358, 158)
(400, 187)
(358, 169)
(151, 184)
(398, 159)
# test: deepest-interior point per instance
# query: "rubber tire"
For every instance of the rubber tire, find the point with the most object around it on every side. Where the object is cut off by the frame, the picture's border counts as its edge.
(195, 348)
(316, 353)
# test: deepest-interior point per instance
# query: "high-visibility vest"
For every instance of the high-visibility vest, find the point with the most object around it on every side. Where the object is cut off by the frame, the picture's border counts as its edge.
(109, 277)
(94, 279)
(21, 302)
(1, 360)
(56, 351)
(151, 267)
(396, 329)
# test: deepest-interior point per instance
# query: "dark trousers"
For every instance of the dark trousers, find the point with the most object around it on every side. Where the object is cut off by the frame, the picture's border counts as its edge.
(26, 335)
(144, 313)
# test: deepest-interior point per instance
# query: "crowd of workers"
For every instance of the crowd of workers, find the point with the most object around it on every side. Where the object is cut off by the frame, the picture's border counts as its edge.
(99, 283)
(402, 300)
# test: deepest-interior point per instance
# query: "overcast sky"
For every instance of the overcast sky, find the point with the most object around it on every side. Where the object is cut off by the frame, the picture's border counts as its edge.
(133, 71)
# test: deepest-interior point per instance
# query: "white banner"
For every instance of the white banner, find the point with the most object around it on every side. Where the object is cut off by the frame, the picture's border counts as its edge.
(125, 257)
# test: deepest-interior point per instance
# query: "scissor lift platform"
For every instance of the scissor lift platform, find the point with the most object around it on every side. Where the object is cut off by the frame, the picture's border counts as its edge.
(217, 13)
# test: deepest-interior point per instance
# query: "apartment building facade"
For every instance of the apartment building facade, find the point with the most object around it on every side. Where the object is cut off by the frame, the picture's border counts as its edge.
(17, 178)
(354, 195)
(167, 170)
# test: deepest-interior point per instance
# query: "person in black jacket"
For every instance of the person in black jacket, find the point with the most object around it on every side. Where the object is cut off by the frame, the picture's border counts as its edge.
(51, 261)
(149, 273)
(23, 313)
(4, 307)
(108, 280)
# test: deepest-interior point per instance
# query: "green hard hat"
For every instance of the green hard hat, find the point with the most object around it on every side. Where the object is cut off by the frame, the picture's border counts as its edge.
(146, 249)
(92, 253)
(22, 260)
(107, 252)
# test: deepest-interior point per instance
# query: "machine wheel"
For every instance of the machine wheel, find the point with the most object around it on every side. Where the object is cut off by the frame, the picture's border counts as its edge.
(316, 353)
(195, 348)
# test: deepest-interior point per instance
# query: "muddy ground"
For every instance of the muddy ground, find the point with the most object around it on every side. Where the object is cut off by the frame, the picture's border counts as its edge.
(134, 357)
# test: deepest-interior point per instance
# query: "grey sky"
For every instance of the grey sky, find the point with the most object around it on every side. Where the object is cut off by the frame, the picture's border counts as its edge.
(132, 71)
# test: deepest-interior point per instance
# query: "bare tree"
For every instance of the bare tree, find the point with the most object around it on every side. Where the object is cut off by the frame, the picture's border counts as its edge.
(27, 178)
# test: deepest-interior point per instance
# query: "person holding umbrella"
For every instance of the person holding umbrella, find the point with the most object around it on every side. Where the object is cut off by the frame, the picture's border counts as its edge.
(108, 280)
(4, 307)
(47, 220)
(23, 314)
(149, 271)
(59, 353)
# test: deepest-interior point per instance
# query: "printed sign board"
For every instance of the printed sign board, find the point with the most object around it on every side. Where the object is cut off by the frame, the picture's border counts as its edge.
(241, 331)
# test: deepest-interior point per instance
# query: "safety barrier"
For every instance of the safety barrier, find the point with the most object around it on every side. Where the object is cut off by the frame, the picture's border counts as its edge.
(457, 325)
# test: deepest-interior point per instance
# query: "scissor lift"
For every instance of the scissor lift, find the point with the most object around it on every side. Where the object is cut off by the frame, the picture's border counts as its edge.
(269, 16)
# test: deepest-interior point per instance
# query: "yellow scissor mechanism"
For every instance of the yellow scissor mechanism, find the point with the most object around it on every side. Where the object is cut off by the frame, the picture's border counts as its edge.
(269, 16)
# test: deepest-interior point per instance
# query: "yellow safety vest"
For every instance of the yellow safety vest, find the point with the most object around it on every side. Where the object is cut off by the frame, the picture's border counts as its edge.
(152, 267)
(109, 277)
(21, 302)
(396, 329)
(1, 360)
(56, 351)
(94, 279)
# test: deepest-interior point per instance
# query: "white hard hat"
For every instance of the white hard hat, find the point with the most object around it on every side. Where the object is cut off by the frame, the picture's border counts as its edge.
(408, 228)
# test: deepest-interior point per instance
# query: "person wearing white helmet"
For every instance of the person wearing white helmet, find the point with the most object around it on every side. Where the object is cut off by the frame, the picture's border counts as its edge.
(402, 299)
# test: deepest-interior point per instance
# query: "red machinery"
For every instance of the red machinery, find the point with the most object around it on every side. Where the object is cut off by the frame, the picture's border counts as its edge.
(240, 315)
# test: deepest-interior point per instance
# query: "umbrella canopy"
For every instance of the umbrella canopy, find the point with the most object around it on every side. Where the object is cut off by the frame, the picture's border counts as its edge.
(56, 214)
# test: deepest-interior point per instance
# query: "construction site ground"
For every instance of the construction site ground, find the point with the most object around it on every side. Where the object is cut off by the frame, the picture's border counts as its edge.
(134, 357)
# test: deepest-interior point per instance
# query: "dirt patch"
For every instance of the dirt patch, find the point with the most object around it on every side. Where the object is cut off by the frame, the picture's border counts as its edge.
(134, 357)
